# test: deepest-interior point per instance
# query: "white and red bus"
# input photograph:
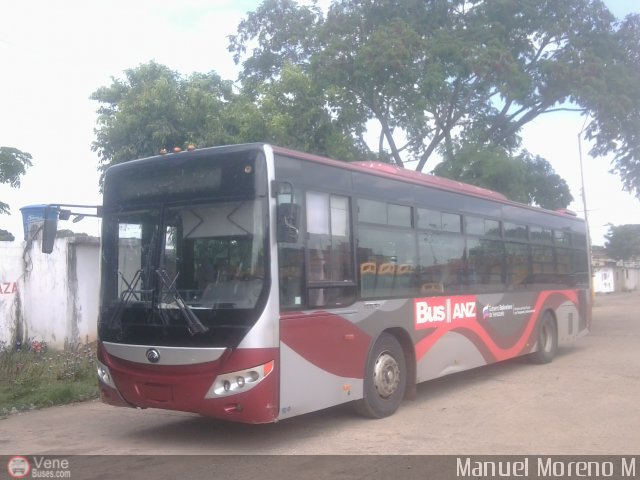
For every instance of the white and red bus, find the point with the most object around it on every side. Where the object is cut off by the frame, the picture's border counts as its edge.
(254, 283)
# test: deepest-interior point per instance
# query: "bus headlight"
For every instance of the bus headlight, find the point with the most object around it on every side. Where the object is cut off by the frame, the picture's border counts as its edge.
(238, 382)
(104, 375)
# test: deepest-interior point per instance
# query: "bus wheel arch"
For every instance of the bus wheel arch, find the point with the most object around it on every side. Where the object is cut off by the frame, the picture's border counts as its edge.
(547, 339)
(389, 375)
(410, 391)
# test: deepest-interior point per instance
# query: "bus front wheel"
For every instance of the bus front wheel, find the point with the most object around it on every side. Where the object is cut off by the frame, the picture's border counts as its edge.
(547, 340)
(385, 379)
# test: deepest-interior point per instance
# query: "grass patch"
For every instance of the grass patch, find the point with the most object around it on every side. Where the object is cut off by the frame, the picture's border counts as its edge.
(36, 377)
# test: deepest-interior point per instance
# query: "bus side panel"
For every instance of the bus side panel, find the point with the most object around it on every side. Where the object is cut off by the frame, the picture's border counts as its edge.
(453, 352)
(185, 387)
(585, 314)
(323, 354)
(568, 320)
(502, 327)
(322, 362)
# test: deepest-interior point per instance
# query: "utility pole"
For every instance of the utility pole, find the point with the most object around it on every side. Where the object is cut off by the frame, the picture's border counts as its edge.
(584, 205)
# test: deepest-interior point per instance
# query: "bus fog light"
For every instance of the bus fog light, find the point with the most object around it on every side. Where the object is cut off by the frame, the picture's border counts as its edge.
(226, 385)
(240, 382)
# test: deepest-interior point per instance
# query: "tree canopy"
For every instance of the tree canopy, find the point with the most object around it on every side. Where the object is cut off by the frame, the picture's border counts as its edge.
(154, 108)
(431, 74)
(524, 178)
(443, 82)
(622, 242)
(13, 164)
(6, 236)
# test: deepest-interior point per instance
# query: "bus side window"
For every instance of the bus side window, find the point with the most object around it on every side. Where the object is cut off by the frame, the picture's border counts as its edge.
(387, 260)
(486, 264)
(291, 260)
(329, 238)
(518, 264)
(329, 255)
(542, 266)
(291, 270)
(442, 267)
(563, 264)
(368, 273)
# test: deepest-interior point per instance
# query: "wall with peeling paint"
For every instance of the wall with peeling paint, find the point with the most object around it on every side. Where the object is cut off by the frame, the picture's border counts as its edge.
(56, 297)
(11, 283)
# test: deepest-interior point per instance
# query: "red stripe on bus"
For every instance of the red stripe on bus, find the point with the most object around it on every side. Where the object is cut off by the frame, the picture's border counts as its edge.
(525, 341)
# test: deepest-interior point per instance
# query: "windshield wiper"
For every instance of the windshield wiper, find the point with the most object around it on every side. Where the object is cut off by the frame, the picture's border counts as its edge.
(125, 296)
(193, 323)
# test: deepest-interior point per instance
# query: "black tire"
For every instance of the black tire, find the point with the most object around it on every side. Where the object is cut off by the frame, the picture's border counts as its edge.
(547, 340)
(385, 379)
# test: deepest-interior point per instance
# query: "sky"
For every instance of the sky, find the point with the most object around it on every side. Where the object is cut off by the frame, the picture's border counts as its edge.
(55, 54)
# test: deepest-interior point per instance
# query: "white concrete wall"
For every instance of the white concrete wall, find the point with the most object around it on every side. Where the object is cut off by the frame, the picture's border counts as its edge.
(603, 280)
(630, 276)
(57, 294)
(87, 289)
(11, 284)
(621, 278)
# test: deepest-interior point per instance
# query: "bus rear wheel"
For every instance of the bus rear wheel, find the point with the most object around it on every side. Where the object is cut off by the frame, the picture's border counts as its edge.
(385, 379)
(547, 340)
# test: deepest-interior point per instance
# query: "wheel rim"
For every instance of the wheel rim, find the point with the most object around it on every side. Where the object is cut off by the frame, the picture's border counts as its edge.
(386, 375)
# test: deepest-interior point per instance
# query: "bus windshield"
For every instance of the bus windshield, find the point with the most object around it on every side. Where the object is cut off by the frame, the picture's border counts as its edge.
(178, 267)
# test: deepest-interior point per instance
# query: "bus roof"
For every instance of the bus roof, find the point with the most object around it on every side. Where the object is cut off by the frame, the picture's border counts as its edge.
(379, 169)
(388, 170)
(412, 176)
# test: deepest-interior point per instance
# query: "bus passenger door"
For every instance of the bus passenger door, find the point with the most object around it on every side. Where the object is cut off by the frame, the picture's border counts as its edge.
(322, 350)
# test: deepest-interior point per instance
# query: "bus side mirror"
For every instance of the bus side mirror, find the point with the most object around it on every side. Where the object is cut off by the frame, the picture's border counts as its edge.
(49, 230)
(288, 222)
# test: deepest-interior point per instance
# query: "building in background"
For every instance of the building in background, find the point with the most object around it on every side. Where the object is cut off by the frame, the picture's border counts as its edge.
(611, 275)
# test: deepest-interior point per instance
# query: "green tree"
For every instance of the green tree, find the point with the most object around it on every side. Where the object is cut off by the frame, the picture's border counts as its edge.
(156, 108)
(615, 125)
(436, 73)
(285, 33)
(622, 242)
(13, 164)
(295, 114)
(6, 236)
(524, 178)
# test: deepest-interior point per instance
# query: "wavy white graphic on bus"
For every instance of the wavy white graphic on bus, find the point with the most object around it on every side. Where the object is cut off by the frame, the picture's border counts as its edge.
(435, 310)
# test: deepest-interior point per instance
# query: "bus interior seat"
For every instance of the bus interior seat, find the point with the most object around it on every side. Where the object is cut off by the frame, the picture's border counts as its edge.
(404, 278)
(431, 288)
(385, 279)
(368, 271)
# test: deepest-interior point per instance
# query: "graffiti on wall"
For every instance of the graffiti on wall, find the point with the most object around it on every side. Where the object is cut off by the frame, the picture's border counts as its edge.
(7, 288)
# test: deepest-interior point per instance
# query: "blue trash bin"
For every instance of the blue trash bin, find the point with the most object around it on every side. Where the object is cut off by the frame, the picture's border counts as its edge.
(32, 214)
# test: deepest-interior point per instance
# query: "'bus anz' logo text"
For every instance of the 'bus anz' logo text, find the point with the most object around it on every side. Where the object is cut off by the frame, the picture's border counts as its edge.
(434, 310)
